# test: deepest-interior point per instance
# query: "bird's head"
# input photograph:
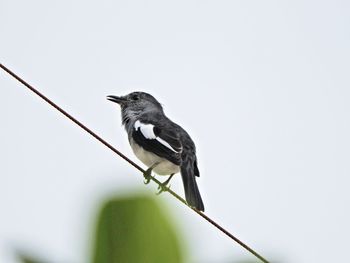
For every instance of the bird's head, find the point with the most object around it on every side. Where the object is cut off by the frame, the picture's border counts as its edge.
(136, 103)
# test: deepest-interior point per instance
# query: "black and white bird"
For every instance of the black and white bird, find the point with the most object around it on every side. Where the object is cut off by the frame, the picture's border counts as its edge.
(162, 145)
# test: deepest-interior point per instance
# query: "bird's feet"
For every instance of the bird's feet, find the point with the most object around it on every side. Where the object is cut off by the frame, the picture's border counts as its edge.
(148, 175)
(163, 186)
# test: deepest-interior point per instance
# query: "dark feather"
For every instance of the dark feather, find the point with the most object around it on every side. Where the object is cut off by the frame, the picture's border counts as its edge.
(169, 136)
(196, 171)
(152, 145)
(192, 194)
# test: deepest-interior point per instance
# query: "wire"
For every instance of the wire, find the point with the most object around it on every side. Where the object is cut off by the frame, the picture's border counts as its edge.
(97, 137)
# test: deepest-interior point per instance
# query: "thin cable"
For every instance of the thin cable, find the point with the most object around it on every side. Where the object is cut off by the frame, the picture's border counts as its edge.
(93, 134)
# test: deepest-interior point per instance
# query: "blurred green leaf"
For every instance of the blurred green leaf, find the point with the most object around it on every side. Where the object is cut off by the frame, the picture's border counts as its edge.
(25, 258)
(135, 229)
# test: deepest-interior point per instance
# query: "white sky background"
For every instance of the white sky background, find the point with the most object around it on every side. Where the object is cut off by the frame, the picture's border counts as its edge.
(263, 88)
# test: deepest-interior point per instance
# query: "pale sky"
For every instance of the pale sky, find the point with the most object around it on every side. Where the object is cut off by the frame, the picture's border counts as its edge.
(262, 87)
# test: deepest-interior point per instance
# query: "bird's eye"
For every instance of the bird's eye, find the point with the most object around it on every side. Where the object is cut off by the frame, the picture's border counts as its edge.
(134, 97)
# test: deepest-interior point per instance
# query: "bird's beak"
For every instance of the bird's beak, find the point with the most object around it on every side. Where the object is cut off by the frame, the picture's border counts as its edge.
(116, 99)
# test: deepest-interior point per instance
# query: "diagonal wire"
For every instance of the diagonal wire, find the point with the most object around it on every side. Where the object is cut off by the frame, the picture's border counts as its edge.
(97, 137)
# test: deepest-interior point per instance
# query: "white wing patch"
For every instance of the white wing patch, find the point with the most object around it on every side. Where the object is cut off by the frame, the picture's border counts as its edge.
(146, 129)
(165, 144)
(148, 133)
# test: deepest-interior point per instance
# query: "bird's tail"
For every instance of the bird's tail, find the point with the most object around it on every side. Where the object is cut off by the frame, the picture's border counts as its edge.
(193, 197)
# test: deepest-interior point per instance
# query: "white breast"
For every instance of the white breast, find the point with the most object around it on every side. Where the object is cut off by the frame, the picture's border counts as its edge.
(163, 168)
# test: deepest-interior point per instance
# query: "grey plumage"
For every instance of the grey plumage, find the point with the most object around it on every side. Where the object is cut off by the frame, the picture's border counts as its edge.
(155, 139)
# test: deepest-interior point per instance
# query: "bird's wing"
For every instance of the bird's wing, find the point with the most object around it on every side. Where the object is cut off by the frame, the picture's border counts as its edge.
(158, 140)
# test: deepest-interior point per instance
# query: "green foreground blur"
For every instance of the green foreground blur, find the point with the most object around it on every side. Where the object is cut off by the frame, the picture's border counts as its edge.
(132, 229)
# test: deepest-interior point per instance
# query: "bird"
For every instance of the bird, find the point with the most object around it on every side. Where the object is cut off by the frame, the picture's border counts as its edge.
(161, 144)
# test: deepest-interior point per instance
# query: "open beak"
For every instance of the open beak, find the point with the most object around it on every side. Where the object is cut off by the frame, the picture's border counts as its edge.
(116, 99)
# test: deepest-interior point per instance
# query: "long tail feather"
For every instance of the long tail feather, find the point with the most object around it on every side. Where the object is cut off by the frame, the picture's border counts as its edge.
(192, 194)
